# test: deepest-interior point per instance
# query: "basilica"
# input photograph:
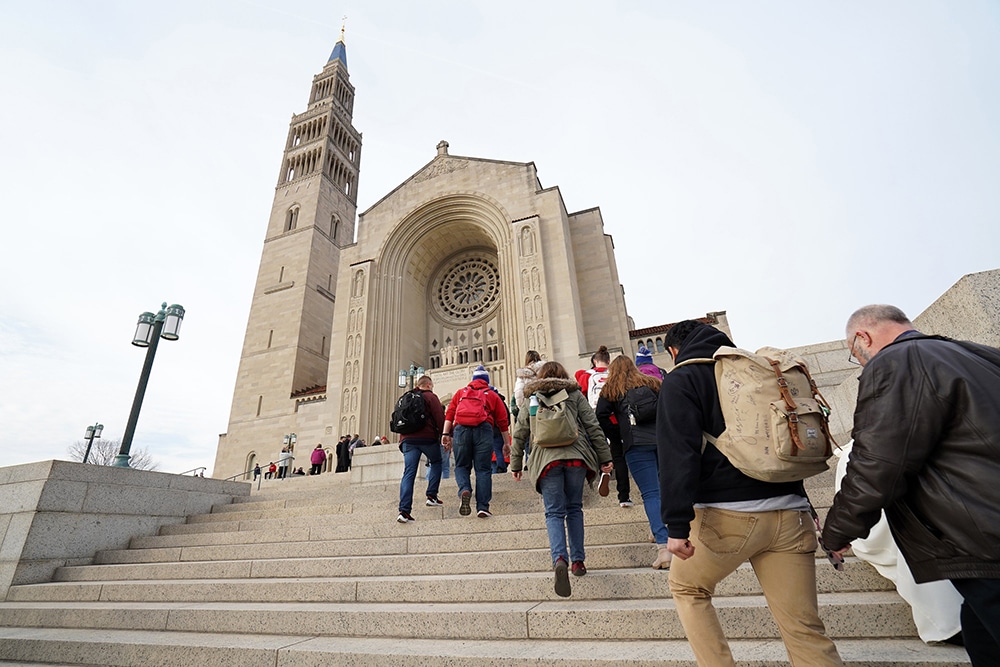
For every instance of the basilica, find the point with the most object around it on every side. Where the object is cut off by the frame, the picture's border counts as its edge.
(469, 261)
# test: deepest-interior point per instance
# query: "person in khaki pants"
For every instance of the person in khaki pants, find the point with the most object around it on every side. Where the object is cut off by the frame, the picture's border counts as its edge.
(718, 518)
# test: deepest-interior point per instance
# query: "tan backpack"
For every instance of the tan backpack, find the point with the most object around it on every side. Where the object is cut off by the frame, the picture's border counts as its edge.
(777, 422)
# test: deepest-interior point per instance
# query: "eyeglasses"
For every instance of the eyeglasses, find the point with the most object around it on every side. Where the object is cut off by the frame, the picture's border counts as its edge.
(850, 349)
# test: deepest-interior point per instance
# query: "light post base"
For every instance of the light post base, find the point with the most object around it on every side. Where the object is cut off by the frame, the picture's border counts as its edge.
(121, 461)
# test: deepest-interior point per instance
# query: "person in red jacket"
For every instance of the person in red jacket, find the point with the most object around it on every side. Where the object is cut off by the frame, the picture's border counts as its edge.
(591, 381)
(474, 410)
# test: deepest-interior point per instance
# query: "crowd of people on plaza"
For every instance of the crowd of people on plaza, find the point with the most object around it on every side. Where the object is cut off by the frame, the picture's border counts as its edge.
(925, 457)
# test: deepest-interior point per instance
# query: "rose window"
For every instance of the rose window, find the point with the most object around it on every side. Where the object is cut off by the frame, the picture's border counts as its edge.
(468, 289)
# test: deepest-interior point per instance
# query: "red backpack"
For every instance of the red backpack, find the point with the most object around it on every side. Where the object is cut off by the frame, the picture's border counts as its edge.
(471, 408)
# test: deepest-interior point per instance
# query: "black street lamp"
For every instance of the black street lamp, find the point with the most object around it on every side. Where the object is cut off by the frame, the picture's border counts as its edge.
(414, 372)
(92, 432)
(165, 324)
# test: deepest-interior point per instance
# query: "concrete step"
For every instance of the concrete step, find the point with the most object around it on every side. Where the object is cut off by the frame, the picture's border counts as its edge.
(386, 527)
(612, 556)
(127, 648)
(504, 490)
(845, 616)
(401, 543)
(386, 515)
(627, 583)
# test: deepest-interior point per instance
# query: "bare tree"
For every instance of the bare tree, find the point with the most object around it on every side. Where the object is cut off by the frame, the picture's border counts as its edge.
(103, 453)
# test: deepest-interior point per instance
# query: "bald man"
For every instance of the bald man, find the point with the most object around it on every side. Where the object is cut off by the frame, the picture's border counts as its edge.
(927, 451)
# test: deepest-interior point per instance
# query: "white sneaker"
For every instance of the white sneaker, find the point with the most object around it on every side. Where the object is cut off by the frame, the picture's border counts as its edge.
(626, 503)
(404, 518)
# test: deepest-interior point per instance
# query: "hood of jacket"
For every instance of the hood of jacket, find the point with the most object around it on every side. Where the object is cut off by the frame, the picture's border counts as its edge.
(702, 343)
(530, 370)
(549, 386)
(479, 384)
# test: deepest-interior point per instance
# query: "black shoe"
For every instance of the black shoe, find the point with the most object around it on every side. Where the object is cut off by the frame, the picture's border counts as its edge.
(465, 510)
(434, 501)
(563, 589)
(404, 517)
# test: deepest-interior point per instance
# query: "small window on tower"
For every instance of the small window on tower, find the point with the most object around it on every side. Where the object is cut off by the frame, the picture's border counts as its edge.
(291, 218)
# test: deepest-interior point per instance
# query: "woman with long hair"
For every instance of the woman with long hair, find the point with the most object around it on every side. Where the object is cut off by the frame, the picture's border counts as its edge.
(626, 411)
(560, 470)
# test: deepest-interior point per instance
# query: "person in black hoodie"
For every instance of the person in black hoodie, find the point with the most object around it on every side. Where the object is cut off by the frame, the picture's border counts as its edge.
(717, 518)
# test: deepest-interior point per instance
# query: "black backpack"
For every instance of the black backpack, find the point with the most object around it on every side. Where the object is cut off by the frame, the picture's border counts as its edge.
(410, 414)
(639, 403)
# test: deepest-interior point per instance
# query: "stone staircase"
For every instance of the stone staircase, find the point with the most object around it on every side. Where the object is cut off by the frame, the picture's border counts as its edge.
(315, 571)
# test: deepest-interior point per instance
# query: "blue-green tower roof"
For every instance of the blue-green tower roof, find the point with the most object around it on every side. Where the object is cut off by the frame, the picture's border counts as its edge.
(339, 52)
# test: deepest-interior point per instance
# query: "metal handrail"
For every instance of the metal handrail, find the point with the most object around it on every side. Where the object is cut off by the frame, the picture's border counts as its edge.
(193, 470)
(232, 478)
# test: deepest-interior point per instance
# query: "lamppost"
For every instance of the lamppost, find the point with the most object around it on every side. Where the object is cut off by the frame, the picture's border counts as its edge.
(92, 432)
(148, 332)
(414, 372)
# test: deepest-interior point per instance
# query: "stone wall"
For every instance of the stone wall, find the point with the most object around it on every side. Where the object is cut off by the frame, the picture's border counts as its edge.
(55, 513)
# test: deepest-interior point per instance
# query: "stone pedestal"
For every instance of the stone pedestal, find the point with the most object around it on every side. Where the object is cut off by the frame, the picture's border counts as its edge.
(55, 513)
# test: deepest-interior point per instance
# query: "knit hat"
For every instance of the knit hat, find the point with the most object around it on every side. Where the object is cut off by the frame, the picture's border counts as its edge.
(481, 374)
(644, 356)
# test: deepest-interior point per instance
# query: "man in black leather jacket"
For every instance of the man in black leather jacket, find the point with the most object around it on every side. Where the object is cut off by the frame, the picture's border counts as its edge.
(927, 451)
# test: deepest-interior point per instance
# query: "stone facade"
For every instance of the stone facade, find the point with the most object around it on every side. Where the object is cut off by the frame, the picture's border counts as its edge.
(469, 261)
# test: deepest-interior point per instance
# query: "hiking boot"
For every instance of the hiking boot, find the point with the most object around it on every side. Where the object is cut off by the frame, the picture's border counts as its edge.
(663, 558)
(626, 503)
(605, 486)
(434, 501)
(578, 569)
(404, 517)
(563, 589)
(465, 510)
(484, 514)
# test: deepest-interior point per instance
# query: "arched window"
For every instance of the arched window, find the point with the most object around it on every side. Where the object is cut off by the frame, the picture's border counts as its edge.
(291, 218)
(659, 345)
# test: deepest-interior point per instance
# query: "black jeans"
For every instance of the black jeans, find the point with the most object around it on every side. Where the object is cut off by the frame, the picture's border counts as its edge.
(621, 473)
(981, 619)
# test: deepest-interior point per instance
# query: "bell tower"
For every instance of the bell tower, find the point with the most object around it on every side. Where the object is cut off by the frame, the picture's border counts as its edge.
(286, 349)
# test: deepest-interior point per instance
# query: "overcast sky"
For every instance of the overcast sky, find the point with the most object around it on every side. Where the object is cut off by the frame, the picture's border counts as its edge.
(785, 162)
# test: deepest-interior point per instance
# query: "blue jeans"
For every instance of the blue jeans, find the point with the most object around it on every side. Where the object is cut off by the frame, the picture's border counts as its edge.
(445, 463)
(645, 471)
(473, 447)
(562, 495)
(412, 449)
(500, 464)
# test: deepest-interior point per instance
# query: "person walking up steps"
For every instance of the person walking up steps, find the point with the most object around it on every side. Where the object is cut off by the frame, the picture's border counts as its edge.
(473, 411)
(591, 382)
(560, 471)
(425, 440)
(627, 413)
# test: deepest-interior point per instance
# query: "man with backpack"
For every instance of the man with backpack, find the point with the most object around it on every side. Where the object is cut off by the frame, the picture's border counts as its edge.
(419, 419)
(927, 451)
(474, 410)
(717, 517)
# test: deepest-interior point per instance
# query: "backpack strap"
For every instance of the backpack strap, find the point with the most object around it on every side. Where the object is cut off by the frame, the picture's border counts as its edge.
(688, 362)
(549, 401)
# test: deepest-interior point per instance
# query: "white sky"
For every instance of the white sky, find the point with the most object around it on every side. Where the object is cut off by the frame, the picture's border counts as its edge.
(786, 162)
